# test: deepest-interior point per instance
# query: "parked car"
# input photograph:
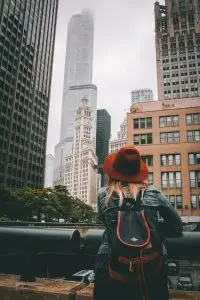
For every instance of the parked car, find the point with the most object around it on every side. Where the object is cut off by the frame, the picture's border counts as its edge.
(172, 268)
(185, 282)
(169, 284)
(86, 276)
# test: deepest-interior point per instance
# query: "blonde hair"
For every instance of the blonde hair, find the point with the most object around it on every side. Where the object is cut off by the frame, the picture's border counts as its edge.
(121, 189)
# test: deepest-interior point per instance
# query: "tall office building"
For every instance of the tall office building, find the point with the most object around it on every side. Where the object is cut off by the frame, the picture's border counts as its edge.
(141, 95)
(80, 170)
(27, 36)
(77, 84)
(102, 138)
(178, 48)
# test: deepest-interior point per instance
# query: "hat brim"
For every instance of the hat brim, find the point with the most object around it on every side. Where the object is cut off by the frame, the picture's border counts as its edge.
(108, 168)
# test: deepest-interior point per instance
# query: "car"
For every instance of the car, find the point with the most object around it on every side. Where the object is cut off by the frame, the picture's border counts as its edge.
(185, 282)
(172, 268)
(86, 276)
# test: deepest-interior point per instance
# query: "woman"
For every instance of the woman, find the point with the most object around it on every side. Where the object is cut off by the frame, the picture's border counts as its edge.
(127, 178)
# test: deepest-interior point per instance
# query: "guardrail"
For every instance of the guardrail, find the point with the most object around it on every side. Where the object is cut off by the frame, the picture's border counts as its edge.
(47, 224)
(70, 225)
(59, 243)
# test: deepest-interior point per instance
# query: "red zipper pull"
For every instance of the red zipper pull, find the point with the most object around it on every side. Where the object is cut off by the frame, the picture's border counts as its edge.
(131, 267)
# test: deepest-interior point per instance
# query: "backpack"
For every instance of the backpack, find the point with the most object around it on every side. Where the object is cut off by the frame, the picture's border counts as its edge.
(136, 250)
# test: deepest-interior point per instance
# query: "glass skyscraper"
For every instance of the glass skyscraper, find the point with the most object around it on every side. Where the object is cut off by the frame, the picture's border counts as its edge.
(77, 85)
(27, 36)
(102, 139)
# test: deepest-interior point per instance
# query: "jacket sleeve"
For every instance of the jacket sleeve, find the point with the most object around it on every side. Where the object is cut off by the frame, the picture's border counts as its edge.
(173, 225)
(100, 201)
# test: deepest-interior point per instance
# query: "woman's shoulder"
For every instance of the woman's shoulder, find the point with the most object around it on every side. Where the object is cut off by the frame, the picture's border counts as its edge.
(102, 201)
(152, 196)
(102, 193)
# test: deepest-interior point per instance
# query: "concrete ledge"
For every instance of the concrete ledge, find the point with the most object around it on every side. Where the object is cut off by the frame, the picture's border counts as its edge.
(86, 294)
(43, 289)
(12, 289)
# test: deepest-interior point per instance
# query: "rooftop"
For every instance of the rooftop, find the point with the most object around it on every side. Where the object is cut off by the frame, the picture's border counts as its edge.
(165, 104)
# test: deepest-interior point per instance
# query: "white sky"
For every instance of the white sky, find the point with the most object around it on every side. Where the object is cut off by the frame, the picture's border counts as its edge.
(124, 56)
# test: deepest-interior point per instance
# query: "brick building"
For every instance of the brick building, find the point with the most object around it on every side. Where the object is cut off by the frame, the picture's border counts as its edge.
(167, 133)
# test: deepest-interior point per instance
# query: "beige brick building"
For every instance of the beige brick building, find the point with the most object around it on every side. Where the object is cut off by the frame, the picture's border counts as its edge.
(167, 133)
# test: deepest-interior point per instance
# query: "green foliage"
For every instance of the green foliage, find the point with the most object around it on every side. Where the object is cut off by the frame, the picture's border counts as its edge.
(49, 203)
(81, 211)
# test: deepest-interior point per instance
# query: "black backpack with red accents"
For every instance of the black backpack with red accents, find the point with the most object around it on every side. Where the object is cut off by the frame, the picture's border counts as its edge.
(136, 252)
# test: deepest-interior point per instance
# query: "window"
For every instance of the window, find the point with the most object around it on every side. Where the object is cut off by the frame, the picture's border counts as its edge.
(193, 135)
(150, 178)
(194, 158)
(179, 204)
(176, 201)
(172, 199)
(170, 159)
(148, 159)
(168, 121)
(170, 137)
(194, 179)
(142, 139)
(171, 180)
(192, 119)
(193, 199)
(142, 123)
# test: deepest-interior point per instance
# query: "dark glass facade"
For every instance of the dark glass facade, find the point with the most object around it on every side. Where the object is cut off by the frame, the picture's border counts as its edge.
(27, 36)
(102, 139)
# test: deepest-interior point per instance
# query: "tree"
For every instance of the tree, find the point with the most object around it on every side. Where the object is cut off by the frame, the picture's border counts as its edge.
(50, 203)
(81, 211)
(64, 207)
(10, 207)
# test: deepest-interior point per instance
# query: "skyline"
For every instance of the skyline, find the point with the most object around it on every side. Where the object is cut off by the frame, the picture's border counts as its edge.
(116, 74)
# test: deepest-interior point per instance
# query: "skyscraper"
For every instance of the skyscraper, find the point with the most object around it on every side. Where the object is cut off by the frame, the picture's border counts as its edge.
(77, 84)
(102, 138)
(178, 48)
(27, 36)
(80, 170)
(79, 51)
(141, 95)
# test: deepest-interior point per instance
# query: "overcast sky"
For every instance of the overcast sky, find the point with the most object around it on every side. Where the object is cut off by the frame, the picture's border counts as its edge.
(124, 56)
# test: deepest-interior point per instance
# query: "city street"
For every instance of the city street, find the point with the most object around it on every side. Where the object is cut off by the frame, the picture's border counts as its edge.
(187, 268)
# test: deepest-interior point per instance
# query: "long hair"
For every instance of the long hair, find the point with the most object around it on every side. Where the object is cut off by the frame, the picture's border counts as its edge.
(122, 189)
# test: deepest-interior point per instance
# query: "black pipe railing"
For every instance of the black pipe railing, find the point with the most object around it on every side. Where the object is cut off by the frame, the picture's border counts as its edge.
(64, 247)
(34, 241)
(47, 224)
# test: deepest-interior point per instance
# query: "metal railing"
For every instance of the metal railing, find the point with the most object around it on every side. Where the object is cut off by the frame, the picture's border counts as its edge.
(28, 247)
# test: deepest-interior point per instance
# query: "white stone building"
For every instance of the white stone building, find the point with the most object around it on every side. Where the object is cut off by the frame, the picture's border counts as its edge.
(121, 140)
(48, 179)
(80, 176)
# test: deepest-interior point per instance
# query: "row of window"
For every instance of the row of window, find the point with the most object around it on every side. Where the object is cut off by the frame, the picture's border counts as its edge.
(166, 121)
(173, 180)
(176, 201)
(172, 159)
(166, 137)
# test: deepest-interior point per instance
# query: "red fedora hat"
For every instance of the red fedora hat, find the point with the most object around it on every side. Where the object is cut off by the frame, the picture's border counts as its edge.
(126, 165)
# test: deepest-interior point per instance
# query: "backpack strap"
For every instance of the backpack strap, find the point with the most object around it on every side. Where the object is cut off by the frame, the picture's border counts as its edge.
(139, 196)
